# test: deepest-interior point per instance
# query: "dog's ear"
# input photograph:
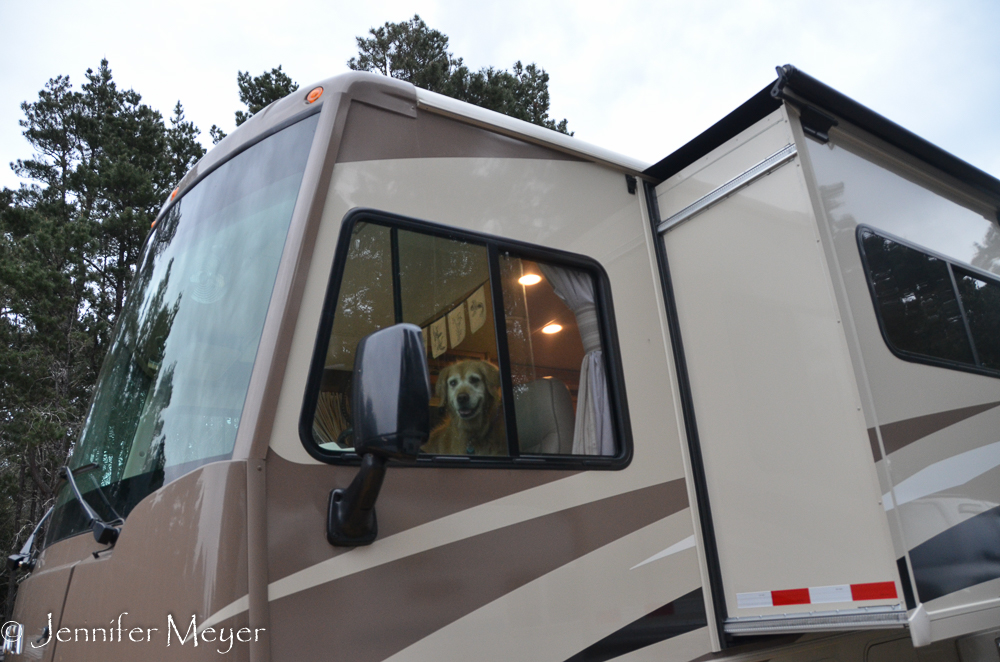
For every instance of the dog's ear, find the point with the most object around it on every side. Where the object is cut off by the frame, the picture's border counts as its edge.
(441, 388)
(491, 375)
(491, 378)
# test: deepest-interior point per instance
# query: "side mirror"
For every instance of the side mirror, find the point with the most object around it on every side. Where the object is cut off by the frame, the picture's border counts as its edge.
(392, 389)
(390, 408)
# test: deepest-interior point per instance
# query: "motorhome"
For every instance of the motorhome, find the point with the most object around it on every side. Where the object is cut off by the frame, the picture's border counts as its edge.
(400, 378)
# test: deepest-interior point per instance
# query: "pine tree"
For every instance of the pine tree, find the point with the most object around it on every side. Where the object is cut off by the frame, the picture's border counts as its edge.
(183, 147)
(413, 52)
(257, 93)
(410, 51)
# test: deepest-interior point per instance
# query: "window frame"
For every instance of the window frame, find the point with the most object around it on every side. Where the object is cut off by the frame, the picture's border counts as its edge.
(494, 246)
(951, 264)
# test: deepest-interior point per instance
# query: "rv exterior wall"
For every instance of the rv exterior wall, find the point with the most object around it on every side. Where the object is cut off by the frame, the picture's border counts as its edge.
(794, 496)
(479, 181)
(932, 422)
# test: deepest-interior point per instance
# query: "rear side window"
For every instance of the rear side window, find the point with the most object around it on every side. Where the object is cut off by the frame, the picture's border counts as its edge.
(517, 337)
(981, 302)
(930, 309)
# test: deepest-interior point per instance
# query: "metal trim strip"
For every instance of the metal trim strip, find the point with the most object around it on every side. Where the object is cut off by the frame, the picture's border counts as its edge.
(765, 167)
(864, 618)
(708, 542)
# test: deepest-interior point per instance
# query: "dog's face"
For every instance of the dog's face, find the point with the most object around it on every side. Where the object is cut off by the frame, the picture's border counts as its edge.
(468, 388)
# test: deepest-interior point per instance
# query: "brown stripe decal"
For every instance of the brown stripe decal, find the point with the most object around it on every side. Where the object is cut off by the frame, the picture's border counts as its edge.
(683, 615)
(375, 613)
(298, 495)
(375, 134)
(903, 433)
(873, 440)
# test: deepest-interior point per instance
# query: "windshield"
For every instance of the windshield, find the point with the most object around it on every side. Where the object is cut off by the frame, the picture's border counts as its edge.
(172, 387)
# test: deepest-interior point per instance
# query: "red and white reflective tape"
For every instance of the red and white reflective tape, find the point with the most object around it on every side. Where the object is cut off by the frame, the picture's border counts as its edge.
(818, 595)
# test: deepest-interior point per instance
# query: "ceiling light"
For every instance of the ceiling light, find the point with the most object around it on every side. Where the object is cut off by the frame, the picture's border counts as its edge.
(552, 328)
(530, 279)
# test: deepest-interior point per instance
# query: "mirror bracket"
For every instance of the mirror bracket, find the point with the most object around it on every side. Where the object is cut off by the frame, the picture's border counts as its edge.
(351, 517)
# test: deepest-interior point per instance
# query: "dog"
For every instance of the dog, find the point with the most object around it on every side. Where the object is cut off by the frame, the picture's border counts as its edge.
(470, 397)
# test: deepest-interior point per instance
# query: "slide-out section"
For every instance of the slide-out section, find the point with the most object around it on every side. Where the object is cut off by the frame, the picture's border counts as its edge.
(802, 538)
(918, 260)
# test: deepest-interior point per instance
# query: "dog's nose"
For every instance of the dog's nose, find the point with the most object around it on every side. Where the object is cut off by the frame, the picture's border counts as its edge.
(463, 398)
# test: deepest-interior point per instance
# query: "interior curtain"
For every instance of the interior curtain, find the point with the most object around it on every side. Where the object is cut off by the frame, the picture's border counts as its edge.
(593, 433)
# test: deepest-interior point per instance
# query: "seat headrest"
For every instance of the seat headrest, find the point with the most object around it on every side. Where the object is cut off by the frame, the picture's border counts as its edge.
(545, 417)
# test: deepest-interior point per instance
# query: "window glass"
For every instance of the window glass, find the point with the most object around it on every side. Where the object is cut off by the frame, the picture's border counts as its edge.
(443, 286)
(929, 307)
(916, 300)
(556, 359)
(552, 361)
(981, 301)
(172, 388)
(365, 306)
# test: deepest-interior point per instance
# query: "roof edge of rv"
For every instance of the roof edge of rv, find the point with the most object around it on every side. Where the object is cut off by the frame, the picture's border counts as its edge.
(398, 96)
(750, 112)
(374, 89)
(807, 89)
(515, 128)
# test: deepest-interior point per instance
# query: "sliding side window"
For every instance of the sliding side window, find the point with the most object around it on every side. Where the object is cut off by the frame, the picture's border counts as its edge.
(929, 309)
(514, 337)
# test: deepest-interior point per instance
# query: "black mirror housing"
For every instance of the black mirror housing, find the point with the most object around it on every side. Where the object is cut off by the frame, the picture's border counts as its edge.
(392, 389)
(391, 413)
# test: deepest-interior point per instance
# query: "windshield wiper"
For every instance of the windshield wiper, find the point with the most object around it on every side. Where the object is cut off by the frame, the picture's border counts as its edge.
(87, 468)
(25, 558)
(105, 533)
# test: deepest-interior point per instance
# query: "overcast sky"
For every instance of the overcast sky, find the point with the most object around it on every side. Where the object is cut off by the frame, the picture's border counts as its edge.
(640, 78)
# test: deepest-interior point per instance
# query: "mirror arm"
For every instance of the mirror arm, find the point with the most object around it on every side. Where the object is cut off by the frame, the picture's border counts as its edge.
(351, 515)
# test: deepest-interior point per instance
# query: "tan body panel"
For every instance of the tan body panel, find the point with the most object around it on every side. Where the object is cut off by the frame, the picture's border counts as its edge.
(794, 496)
(934, 428)
(40, 597)
(502, 534)
(183, 553)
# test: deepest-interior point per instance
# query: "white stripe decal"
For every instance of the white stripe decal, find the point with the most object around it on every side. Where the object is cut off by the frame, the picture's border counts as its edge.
(230, 610)
(946, 474)
(821, 594)
(754, 599)
(687, 543)
(839, 593)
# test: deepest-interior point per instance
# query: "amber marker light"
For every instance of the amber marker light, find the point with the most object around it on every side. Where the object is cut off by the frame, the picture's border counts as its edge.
(314, 94)
(552, 328)
(173, 194)
(530, 279)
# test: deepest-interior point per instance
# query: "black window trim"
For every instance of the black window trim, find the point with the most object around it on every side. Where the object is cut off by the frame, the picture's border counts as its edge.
(494, 245)
(951, 264)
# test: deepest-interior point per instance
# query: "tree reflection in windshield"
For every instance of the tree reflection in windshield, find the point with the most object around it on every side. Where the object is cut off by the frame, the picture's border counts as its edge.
(172, 388)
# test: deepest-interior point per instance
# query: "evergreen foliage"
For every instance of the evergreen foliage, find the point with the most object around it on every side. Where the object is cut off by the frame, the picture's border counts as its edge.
(257, 93)
(413, 52)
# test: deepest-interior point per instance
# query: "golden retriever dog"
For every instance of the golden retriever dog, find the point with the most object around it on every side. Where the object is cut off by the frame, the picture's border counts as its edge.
(473, 425)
